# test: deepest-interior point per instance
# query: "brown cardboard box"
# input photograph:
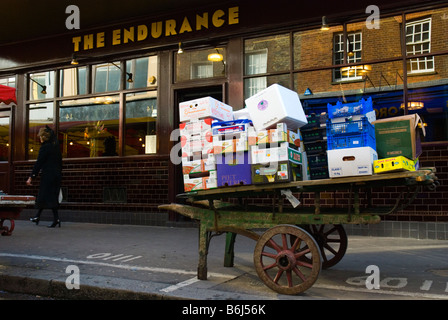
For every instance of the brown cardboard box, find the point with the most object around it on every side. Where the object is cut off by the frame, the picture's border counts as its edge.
(399, 136)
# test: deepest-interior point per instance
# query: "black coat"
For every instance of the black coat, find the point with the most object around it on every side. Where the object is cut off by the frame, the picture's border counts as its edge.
(49, 163)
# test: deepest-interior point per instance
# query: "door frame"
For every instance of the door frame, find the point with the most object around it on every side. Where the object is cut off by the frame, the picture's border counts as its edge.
(175, 171)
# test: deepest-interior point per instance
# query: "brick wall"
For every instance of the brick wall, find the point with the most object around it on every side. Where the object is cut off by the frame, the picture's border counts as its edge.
(119, 184)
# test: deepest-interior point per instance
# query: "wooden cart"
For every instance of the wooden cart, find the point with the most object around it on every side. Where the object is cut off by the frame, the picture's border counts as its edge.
(297, 242)
(10, 208)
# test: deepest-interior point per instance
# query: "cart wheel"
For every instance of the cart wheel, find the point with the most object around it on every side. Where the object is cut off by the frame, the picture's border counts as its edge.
(332, 241)
(282, 267)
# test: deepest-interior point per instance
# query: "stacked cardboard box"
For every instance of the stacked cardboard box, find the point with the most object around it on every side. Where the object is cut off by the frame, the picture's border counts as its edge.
(351, 140)
(398, 143)
(230, 148)
(277, 115)
(198, 162)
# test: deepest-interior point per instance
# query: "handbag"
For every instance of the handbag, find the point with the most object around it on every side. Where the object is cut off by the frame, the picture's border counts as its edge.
(60, 197)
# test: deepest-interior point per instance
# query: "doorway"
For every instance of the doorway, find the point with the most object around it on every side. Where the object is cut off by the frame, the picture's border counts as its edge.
(181, 95)
(5, 151)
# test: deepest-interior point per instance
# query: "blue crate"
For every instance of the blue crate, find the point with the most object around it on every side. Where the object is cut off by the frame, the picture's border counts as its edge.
(350, 127)
(354, 140)
(349, 109)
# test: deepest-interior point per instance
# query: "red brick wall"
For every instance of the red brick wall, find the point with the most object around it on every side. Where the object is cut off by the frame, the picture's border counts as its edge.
(144, 179)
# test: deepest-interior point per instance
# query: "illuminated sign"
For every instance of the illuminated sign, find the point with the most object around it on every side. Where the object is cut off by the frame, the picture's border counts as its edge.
(156, 30)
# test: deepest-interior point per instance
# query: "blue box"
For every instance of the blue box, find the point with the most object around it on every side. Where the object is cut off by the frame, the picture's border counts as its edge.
(233, 169)
(349, 109)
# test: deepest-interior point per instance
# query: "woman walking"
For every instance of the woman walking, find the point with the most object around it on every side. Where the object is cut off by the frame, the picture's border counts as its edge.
(49, 164)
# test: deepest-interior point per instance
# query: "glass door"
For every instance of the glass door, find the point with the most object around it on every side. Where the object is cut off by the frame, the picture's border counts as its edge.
(5, 151)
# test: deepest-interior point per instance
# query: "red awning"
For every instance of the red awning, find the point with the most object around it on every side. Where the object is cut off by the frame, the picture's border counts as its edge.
(7, 94)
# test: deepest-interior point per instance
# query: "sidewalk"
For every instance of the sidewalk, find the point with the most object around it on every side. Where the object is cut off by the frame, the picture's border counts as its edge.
(148, 262)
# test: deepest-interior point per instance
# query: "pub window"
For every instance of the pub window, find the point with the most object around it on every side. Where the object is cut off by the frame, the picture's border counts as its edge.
(85, 125)
(106, 77)
(9, 81)
(73, 81)
(41, 85)
(142, 71)
(141, 123)
(39, 115)
(418, 41)
(199, 64)
(4, 137)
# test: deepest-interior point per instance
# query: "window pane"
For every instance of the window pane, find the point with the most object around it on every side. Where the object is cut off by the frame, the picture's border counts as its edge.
(4, 138)
(41, 85)
(107, 77)
(39, 115)
(10, 81)
(73, 81)
(196, 64)
(143, 71)
(275, 51)
(84, 124)
(141, 123)
(254, 85)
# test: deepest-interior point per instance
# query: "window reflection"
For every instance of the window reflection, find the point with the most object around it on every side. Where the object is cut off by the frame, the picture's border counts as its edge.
(199, 64)
(106, 77)
(73, 81)
(143, 71)
(40, 115)
(39, 82)
(84, 124)
(4, 138)
(141, 123)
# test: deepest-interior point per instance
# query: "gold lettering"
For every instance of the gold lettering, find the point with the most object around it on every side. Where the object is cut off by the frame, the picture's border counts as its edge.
(142, 32)
(185, 26)
(116, 37)
(202, 21)
(88, 41)
(234, 15)
(156, 29)
(100, 40)
(170, 27)
(217, 18)
(76, 41)
(128, 35)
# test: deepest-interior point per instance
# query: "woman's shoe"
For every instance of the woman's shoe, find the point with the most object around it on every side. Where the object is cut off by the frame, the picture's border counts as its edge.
(55, 223)
(35, 220)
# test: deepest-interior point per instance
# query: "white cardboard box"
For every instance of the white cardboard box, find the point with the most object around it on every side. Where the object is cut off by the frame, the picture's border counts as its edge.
(351, 162)
(276, 104)
(204, 108)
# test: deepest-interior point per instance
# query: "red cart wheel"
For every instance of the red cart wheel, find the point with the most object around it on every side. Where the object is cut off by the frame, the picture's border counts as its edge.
(282, 267)
(332, 241)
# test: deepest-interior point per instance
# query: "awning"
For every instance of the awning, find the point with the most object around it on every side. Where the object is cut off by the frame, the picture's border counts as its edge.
(7, 94)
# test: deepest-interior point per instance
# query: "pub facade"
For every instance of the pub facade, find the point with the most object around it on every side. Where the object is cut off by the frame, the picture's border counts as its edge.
(120, 84)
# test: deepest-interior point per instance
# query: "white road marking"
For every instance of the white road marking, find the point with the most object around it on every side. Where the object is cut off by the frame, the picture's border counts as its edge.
(118, 266)
(426, 285)
(379, 291)
(180, 285)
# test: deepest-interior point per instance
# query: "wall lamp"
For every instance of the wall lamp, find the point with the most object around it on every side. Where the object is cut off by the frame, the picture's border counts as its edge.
(325, 26)
(74, 60)
(128, 73)
(215, 57)
(44, 88)
(180, 50)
